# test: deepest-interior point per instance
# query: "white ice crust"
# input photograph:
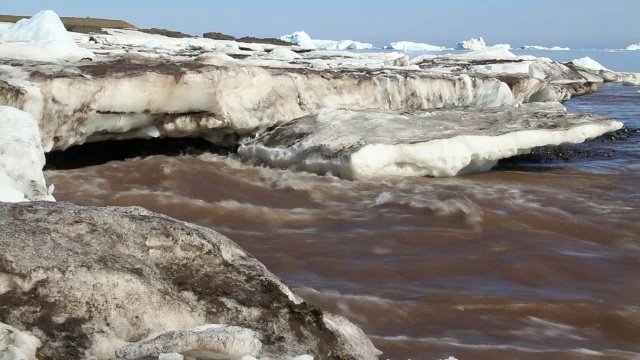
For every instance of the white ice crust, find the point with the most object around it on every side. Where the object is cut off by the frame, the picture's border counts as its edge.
(21, 158)
(413, 46)
(43, 37)
(303, 39)
(588, 63)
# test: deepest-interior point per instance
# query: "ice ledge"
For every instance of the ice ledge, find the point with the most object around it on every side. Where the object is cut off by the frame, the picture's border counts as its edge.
(367, 144)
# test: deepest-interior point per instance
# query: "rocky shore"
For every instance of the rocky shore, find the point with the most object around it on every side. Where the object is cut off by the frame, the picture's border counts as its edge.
(103, 283)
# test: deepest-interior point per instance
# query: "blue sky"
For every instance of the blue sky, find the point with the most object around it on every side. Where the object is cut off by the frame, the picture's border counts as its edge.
(573, 23)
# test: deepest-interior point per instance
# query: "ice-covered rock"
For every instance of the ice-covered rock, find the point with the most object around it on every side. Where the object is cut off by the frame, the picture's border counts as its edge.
(303, 39)
(21, 158)
(16, 344)
(588, 63)
(209, 341)
(536, 47)
(634, 47)
(366, 144)
(43, 37)
(413, 46)
(95, 280)
(472, 44)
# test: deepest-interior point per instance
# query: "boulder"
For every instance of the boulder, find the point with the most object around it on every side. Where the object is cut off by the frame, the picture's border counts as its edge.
(88, 282)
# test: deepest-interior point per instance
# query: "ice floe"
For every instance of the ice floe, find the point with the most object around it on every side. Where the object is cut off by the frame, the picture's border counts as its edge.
(588, 63)
(303, 39)
(632, 79)
(21, 158)
(634, 47)
(472, 44)
(366, 144)
(413, 46)
(43, 37)
(536, 47)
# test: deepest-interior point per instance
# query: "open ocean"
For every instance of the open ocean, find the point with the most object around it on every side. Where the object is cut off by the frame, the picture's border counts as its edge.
(528, 261)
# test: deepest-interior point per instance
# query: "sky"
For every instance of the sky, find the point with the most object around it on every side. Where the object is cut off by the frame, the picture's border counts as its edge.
(572, 23)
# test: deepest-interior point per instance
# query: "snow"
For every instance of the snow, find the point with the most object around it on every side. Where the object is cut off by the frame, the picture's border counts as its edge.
(369, 144)
(634, 47)
(16, 344)
(588, 63)
(40, 38)
(413, 46)
(472, 44)
(536, 47)
(489, 53)
(21, 158)
(214, 341)
(303, 39)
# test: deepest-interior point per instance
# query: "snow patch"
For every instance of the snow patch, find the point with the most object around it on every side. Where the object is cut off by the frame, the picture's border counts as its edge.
(43, 37)
(21, 158)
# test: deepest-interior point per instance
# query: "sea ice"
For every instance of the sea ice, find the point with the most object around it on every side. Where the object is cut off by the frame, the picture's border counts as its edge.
(366, 144)
(588, 63)
(303, 39)
(472, 44)
(43, 37)
(536, 47)
(413, 46)
(634, 47)
(21, 158)
(632, 79)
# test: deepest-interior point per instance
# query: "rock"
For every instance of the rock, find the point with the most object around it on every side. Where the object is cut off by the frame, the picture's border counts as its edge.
(218, 36)
(165, 32)
(270, 41)
(219, 341)
(366, 144)
(90, 281)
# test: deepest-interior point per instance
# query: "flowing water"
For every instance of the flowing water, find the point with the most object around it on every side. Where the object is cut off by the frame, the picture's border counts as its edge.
(524, 262)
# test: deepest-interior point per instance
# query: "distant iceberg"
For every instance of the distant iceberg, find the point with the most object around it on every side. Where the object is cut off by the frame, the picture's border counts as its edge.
(413, 46)
(303, 39)
(536, 47)
(472, 44)
(479, 44)
(634, 47)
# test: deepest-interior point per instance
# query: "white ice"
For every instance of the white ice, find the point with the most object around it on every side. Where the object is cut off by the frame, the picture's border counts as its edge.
(303, 39)
(632, 79)
(634, 47)
(472, 44)
(588, 63)
(352, 144)
(413, 46)
(21, 158)
(43, 37)
(536, 47)
(16, 344)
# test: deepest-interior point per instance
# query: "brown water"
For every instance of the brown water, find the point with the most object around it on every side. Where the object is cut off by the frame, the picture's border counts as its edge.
(540, 263)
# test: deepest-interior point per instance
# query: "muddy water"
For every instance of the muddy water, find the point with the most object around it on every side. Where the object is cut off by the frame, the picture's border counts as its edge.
(527, 263)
